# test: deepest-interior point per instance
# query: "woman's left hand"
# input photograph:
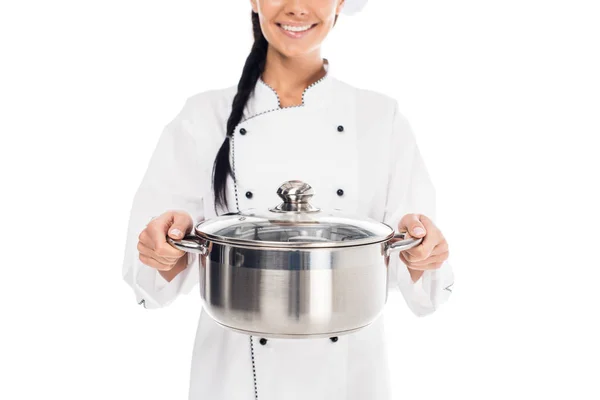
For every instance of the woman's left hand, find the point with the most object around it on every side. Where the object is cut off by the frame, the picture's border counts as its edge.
(432, 251)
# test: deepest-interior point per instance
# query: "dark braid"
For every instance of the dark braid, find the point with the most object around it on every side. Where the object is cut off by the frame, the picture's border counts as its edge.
(253, 68)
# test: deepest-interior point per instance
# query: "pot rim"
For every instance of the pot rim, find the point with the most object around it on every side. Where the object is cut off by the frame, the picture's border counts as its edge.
(293, 245)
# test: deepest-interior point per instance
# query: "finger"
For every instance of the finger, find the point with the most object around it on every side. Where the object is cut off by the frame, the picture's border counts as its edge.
(433, 238)
(145, 250)
(153, 238)
(417, 256)
(426, 221)
(412, 224)
(151, 262)
(440, 248)
(146, 240)
(167, 251)
(180, 224)
(425, 267)
(157, 231)
(148, 252)
(422, 251)
(429, 260)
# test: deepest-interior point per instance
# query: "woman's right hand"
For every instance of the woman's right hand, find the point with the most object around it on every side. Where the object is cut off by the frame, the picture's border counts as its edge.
(154, 249)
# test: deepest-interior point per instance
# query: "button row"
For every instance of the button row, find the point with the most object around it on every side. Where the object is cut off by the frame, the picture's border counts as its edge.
(264, 341)
(243, 131)
(249, 194)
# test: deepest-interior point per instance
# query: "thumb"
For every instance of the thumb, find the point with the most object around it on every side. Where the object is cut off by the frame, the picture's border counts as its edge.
(180, 225)
(414, 225)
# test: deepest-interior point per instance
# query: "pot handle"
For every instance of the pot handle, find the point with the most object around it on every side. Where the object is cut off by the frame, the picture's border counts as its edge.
(403, 244)
(190, 244)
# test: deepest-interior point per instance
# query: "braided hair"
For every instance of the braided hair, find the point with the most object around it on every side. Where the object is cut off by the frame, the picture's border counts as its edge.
(253, 69)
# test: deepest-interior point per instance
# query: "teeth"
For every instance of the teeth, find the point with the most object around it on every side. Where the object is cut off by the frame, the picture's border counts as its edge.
(296, 28)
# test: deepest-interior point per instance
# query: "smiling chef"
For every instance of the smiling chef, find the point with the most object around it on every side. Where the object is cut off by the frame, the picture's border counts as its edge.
(228, 150)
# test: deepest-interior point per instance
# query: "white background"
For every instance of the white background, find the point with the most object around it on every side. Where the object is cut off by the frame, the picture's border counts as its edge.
(504, 97)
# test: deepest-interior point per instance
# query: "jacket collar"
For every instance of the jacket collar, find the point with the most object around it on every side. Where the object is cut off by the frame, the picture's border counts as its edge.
(264, 98)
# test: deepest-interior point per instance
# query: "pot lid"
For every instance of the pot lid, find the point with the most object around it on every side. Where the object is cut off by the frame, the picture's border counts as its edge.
(294, 223)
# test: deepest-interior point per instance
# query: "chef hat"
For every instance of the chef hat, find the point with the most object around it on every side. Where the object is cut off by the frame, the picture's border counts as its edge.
(353, 6)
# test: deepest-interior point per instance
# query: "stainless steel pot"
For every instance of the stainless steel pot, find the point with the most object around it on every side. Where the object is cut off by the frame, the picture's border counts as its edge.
(294, 270)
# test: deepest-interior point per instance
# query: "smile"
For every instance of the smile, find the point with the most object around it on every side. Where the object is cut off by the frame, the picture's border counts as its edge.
(295, 31)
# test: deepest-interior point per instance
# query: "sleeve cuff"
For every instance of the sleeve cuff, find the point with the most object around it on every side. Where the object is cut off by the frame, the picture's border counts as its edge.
(431, 290)
(153, 291)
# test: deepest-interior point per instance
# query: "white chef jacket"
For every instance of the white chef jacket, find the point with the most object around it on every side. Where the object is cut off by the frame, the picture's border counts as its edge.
(340, 137)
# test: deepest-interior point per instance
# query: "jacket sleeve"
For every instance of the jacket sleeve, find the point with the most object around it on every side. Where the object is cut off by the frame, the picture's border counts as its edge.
(172, 181)
(410, 191)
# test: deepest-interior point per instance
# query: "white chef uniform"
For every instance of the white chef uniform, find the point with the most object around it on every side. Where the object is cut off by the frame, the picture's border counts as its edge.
(358, 152)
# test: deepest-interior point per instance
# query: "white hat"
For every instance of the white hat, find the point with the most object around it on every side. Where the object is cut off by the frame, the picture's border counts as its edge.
(353, 6)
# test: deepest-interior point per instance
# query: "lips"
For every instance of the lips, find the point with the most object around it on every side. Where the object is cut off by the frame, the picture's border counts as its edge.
(296, 27)
(294, 31)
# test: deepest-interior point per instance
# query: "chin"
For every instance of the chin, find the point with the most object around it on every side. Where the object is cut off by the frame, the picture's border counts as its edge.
(294, 50)
(294, 53)
(291, 48)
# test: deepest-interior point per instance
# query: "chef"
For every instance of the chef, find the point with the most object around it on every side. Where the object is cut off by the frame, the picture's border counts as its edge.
(287, 118)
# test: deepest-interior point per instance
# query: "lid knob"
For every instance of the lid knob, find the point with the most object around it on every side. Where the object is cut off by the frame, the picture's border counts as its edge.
(295, 192)
(295, 195)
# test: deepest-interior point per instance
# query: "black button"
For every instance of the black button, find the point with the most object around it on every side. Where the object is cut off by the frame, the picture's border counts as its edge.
(340, 192)
(340, 128)
(249, 194)
(243, 131)
(263, 341)
(334, 339)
